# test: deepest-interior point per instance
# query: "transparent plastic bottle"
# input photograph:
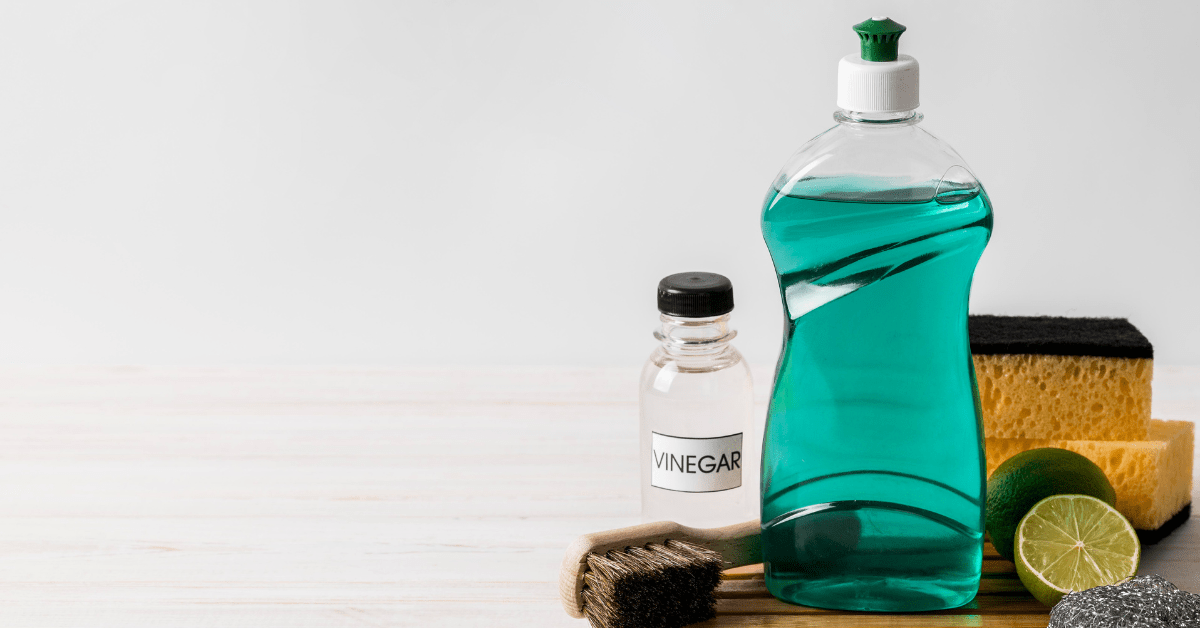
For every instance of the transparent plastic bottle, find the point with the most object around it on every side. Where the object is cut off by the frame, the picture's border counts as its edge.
(699, 444)
(873, 470)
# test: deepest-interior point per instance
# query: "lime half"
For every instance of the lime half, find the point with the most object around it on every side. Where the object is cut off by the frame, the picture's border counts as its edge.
(1070, 543)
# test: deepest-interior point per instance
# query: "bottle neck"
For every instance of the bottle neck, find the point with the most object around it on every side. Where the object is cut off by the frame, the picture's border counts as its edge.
(864, 118)
(694, 336)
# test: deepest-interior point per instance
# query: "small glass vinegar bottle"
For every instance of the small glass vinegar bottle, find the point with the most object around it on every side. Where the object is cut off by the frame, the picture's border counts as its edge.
(700, 446)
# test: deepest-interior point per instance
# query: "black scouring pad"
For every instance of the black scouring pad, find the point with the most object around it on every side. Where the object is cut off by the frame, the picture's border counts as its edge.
(1057, 335)
(1150, 537)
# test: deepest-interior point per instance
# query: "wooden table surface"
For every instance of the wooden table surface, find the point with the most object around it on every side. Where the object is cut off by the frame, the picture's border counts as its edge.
(296, 497)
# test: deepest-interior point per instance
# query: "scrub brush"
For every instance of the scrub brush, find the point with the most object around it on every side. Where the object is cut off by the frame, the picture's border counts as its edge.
(654, 575)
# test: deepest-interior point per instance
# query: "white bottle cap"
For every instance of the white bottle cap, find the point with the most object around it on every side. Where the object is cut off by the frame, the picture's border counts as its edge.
(887, 84)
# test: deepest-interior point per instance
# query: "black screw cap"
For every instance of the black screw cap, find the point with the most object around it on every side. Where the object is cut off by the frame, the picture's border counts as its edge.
(695, 295)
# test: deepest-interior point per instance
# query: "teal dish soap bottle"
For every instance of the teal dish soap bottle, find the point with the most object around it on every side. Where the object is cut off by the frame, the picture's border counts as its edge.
(873, 472)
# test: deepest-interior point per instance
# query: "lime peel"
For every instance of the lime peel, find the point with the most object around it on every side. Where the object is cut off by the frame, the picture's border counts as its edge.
(1027, 478)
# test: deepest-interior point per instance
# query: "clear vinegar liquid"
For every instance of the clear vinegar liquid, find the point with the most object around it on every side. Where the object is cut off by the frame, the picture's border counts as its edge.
(716, 399)
(873, 471)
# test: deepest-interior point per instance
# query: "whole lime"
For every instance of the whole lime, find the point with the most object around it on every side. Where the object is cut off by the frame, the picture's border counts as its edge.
(1031, 476)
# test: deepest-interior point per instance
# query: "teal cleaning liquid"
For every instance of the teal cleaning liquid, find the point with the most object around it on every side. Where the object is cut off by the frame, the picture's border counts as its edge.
(873, 469)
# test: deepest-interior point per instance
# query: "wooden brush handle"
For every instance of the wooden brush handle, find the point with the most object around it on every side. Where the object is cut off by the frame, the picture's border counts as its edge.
(737, 544)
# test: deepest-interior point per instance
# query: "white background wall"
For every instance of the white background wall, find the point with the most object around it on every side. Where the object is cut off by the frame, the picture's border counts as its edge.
(505, 182)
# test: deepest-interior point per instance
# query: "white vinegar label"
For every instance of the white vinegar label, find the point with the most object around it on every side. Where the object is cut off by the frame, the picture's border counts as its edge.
(696, 465)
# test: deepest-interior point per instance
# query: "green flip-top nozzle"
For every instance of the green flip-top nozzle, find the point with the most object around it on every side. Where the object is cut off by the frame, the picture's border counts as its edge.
(880, 37)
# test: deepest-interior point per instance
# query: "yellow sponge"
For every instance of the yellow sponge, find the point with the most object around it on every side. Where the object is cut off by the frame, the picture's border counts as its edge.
(1030, 396)
(1152, 477)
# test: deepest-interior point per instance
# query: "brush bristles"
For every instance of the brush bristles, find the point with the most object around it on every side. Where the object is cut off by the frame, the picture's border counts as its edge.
(655, 586)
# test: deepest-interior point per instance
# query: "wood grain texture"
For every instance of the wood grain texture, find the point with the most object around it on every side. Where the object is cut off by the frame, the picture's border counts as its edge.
(1002, 601)
(336, 497)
